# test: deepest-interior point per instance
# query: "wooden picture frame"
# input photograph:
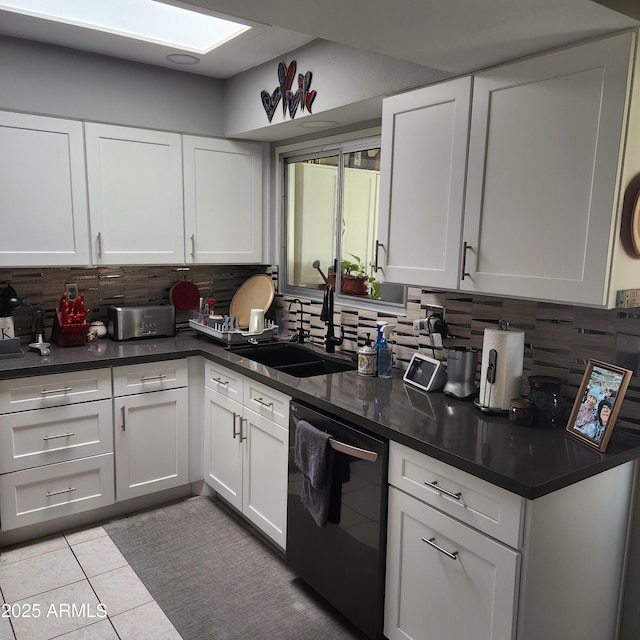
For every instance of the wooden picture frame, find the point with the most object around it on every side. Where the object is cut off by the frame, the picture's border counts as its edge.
(598, 402)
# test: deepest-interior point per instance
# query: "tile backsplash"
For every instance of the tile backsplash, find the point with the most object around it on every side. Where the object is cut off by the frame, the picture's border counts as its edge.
(559, 339)
(105, 286)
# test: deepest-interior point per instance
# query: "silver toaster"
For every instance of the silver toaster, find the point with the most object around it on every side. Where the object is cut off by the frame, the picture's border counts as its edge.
(141, 321)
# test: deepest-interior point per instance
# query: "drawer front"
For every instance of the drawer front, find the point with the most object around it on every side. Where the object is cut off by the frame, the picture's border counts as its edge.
(40, 392)
(151, 376)
(35, 438)
(267, 402)
(224, 381)
(41, 494)
(478, 503)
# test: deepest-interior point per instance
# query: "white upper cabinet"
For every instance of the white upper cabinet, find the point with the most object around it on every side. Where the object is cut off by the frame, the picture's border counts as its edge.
(550, 150)
(43, 197)
(541, 216)
(135, 195)
(222, 200)
(424, 151)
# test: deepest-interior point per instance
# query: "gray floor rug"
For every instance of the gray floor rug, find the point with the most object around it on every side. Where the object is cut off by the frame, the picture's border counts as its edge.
(216, 581)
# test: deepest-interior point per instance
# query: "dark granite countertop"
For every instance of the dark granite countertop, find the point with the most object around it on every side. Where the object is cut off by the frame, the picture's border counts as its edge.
(528, 461)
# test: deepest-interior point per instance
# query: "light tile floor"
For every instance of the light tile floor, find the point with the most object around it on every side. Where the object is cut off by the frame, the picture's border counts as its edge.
(76, 586)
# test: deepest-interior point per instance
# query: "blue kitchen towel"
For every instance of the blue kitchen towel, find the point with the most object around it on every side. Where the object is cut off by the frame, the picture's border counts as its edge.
(312, 455)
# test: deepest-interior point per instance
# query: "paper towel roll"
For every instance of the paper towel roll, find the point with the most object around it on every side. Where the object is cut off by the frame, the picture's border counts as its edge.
(508, 345)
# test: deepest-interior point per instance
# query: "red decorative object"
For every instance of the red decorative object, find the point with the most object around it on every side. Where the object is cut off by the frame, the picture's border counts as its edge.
(70, 327)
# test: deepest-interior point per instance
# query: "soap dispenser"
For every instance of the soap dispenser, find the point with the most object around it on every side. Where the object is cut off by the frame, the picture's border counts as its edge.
(385, 355)
(367, 359)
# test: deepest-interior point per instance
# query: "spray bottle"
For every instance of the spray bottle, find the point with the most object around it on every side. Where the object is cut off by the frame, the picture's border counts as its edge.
(379, 337)
(385, 355)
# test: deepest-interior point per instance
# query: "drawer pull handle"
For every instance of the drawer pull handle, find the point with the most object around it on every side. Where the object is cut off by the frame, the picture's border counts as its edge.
(449, 554)
(123, 426)
(193, 245)
(57, 493)
(241, 436)
(224, 383)
(162, 376)
(60, 435)
(237, 433)
(99, 240)
(439, 489)
(267, 405)
(46, 392)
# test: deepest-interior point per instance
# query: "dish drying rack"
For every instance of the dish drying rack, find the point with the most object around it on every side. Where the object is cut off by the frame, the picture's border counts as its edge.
(221, 331)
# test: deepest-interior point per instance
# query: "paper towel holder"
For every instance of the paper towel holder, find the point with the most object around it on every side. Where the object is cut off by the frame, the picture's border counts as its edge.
(492, 361)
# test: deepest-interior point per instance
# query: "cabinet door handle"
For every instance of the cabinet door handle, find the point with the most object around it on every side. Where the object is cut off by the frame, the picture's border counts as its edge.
(57, 493)
(241, 436)
(266, 405)
(60, 435)
(239, 432)
(432, 541)
(46, 392)
(99, 238)
(193, 245)
(161, 376)
(434, 485)
(224, 383)
(375, 261)
(465, 247)
(123, 426)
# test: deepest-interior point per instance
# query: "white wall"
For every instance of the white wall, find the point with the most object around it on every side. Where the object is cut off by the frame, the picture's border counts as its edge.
(350, 84)
(49, 80)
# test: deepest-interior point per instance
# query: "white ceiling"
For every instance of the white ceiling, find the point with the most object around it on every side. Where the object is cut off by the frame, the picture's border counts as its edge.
(456, 36)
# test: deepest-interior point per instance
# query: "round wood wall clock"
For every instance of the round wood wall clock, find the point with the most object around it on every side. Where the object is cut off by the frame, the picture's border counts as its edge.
(635, 225)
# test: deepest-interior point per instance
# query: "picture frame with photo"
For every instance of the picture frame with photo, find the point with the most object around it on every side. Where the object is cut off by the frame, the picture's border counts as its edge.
(598, 403)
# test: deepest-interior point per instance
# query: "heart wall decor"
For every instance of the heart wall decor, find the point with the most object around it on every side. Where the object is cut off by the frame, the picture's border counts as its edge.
(291, 100)
(285, 79)
(270, 101)
(307, 95)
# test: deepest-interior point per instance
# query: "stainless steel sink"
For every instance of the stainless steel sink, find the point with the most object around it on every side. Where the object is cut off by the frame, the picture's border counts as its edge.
(294, 359)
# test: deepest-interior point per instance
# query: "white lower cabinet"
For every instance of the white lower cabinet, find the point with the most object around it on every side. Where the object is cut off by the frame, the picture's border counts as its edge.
(246, 448)
(151, 428)
(445, 580)
(223, 447)
(56, 446)
(452, 552)
(45, 436)
(264, 477)
(468, 559)
(35, 495)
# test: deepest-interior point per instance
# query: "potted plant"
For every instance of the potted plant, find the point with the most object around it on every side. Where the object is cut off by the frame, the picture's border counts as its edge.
(355, 280)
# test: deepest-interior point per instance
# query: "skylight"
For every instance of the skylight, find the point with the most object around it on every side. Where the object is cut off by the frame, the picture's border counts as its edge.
(145, 20)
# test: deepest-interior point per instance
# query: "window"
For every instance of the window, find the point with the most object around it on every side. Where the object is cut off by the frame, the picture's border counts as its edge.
(331, 220)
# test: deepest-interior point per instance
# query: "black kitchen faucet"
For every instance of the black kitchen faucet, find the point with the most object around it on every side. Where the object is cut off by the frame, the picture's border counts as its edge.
(327, 316)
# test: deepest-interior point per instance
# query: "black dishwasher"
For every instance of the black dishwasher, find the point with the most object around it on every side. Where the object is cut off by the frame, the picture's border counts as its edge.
(344, 561)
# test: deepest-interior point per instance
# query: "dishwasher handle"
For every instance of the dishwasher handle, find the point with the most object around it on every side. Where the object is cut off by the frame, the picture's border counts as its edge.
(347, 449)
(354, 452)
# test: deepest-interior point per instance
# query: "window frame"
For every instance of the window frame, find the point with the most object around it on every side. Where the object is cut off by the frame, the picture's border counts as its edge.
(334, 145)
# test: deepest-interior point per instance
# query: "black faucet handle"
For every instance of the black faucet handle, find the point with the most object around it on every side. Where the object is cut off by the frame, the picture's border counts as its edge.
(327, 304)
